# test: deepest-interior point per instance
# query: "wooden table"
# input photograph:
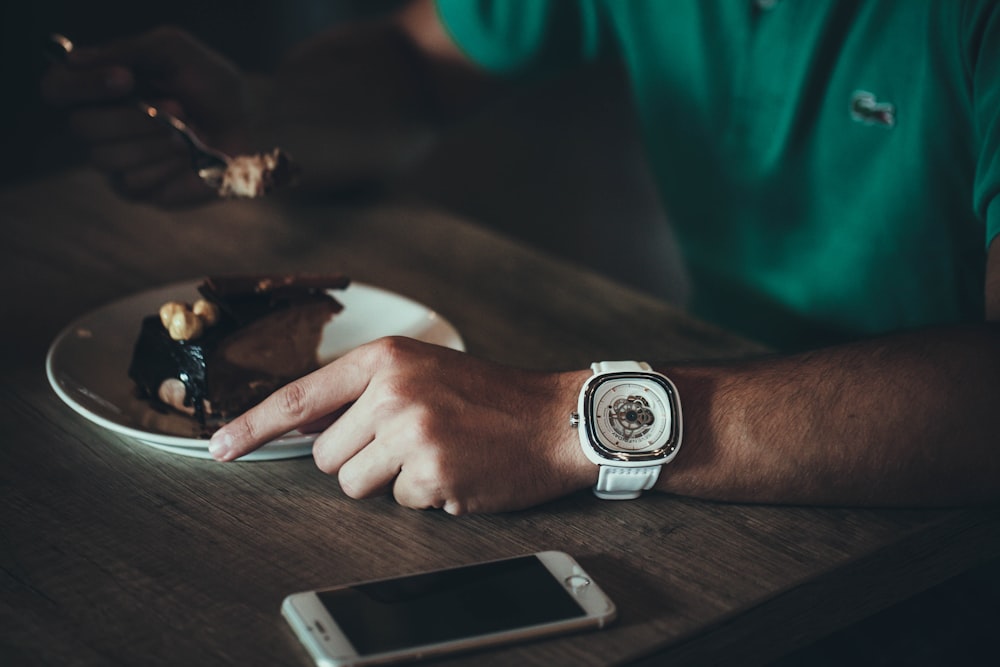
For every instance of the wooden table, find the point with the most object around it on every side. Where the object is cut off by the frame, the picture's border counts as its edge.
(115, 553)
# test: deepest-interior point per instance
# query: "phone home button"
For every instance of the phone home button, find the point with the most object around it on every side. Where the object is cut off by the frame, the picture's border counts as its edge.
(576, 581)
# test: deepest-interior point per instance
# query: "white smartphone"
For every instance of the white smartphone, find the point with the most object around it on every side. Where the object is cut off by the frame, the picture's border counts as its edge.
(431, 613)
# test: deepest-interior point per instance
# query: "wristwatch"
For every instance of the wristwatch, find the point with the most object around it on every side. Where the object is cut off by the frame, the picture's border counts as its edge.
(629, 420)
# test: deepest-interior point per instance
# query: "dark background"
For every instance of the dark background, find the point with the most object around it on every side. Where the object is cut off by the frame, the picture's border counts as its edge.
(254, 33)
(527, 167)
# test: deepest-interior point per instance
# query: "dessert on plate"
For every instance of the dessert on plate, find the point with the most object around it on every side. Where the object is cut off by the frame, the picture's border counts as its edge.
(245, 337)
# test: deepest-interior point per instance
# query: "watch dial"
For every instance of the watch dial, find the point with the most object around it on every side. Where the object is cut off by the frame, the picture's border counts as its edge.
(632, 416)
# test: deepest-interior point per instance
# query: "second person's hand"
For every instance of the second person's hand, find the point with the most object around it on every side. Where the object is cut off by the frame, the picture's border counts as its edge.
(168, 67)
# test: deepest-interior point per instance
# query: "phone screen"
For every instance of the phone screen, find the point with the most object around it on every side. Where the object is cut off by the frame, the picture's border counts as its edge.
(485, 598)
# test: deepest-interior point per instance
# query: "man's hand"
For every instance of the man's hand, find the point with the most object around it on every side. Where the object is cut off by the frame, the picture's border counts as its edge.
(353, 104)
(440, 428)
(169, 69)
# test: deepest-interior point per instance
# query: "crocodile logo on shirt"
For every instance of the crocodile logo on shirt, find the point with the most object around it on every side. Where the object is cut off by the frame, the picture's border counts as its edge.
(865, 108)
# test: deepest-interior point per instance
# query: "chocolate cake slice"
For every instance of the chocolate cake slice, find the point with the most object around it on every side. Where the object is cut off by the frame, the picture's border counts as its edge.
(246, 337)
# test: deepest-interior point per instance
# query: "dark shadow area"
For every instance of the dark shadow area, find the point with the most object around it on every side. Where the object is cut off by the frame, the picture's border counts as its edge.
(253, 33)
(953, 624)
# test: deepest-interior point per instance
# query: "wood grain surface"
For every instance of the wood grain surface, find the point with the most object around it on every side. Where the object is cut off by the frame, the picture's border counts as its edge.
(114, 553)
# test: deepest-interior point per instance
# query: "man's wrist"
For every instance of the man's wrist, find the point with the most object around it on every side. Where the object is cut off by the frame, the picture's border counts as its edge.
(578, 470)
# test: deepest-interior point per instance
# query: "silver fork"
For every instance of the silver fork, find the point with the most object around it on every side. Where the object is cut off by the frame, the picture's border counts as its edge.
(209, 163)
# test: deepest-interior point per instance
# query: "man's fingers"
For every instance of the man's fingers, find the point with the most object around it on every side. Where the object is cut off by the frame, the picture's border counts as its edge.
(63, 86)
(120, 122)
(419, 487)
(379, 466)
(156, 51)
(343, 438)
(322, 423)
(369, 472)
(105, 72)
(298, 403)
(117, 156)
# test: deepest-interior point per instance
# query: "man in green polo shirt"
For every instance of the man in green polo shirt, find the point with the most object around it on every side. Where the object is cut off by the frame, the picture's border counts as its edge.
(828, 166)
(832, 173)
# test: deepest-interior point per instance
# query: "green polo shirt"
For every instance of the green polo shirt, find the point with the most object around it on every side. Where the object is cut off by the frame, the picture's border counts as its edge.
(831, 167)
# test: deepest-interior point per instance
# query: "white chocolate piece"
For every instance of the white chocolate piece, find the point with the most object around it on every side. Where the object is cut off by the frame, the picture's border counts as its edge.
(206, 311)
(168, 310)
(173, 392)
(185, 325)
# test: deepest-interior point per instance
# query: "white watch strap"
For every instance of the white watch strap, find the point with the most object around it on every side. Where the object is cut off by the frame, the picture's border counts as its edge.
(619, 366)
(615, 483)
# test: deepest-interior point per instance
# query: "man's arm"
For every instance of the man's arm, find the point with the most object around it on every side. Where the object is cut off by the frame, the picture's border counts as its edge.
(901, 420)
(906, 419)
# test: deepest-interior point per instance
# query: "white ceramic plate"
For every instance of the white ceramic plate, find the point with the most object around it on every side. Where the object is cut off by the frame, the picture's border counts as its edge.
(87, 364)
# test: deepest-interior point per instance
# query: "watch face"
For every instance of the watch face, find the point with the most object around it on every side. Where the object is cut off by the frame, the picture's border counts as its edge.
(632, 417)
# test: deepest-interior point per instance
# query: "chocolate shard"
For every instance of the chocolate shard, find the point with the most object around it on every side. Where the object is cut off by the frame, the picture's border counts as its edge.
(244, 298)
(244, 285)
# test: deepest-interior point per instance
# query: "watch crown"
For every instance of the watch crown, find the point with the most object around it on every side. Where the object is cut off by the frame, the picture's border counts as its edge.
(574, 419)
